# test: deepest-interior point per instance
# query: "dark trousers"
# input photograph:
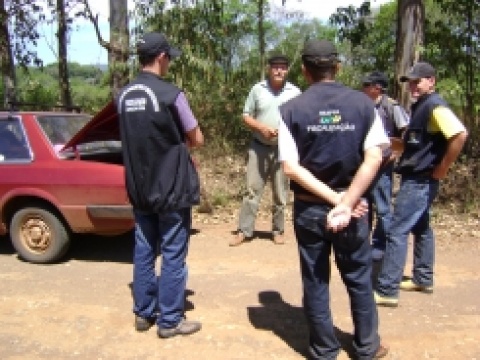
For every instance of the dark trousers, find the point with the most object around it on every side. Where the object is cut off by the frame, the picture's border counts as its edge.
(381, 195)
(353, 258)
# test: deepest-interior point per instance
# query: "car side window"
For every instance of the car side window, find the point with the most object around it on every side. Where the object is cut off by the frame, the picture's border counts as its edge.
(13, 143)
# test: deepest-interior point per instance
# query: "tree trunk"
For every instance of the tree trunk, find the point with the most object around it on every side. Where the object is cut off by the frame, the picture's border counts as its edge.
(6, 59)
(63, 78)
(118, 53)
(410, 39)
(261, 38)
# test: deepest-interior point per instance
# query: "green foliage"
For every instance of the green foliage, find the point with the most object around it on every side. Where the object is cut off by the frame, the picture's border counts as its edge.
(371, 34)
(221, 57)
(40, 86)
(21, 18)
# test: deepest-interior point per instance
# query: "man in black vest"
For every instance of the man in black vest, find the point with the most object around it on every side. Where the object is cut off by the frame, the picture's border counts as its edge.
(157, 127)
(330, 144)
(395, 120)
(432, 142)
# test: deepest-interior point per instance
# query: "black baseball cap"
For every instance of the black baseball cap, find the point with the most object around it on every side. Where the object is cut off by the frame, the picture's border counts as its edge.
(320, 53)
(418, 71)
(155, 43)
(277, 58)
(376, 78)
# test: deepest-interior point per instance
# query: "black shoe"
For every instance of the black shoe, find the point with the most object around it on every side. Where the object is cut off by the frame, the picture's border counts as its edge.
(184, 327)
(143, 324)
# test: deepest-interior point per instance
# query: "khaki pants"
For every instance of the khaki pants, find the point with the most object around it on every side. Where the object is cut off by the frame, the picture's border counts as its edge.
(263, 165)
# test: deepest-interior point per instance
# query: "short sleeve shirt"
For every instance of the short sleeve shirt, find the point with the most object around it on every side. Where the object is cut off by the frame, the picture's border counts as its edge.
(185, 114)
(262, 104)
(445, 121)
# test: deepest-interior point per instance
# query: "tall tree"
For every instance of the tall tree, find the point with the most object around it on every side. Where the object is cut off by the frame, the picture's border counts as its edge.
(261, 36)
(62, 38)
(118, 47)
(119, 44)
(6, 59)
(410, 41)
(17, 34)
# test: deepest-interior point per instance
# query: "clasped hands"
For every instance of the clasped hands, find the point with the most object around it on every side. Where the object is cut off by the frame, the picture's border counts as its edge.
(339, 217)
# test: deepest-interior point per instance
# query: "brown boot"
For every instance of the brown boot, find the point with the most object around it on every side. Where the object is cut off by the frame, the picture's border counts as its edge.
(238, 239)
(381, 352)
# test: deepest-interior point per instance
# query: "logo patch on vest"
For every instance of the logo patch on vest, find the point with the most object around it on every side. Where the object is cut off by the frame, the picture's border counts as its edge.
(137, 104)
(330, 120)
(329, 117)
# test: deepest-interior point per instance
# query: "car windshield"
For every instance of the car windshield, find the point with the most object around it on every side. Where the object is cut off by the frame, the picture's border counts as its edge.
(61, 128)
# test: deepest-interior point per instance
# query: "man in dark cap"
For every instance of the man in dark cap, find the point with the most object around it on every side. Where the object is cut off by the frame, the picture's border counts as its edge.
(395, 120)
(330, 142)
(157, 126)
(261, 115)
(432, 142)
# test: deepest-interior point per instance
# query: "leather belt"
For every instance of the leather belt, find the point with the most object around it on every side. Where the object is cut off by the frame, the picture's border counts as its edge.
(262, 143)
(311, 198)
(421, 174)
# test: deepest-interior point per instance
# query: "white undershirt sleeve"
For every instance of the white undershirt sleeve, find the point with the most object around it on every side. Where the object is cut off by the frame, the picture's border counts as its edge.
(376, 136)
(287, 148)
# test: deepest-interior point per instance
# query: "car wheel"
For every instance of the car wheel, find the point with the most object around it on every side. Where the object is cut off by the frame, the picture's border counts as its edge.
(38, 235)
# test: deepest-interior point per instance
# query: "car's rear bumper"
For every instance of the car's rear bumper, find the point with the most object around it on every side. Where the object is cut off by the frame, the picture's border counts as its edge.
(99, 219)
(110, 211)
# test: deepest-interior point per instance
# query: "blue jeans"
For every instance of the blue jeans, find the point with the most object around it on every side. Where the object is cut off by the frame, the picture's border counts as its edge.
(382, 199)
(166, 234)
(411, 214)
(353, 258)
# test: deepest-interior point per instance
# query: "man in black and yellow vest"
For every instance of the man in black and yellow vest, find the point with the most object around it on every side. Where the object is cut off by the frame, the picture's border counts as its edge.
(432, 142)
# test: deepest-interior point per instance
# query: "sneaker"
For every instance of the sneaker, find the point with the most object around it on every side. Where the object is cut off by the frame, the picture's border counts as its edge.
(237, 240)
(381, 352)
(184, 327)
(143, 324)
(385, 300)
(278, 239)
(409, 285)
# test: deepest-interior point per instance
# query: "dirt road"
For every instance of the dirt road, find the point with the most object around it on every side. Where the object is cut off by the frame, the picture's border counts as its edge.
(248, 298)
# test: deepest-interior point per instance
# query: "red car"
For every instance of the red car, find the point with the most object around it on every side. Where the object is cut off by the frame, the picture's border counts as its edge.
(60, 173)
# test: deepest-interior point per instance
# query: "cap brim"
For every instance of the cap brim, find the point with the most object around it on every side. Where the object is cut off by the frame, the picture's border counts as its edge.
(405, 78)
(367, 80)
(174, 53)
(278, 61)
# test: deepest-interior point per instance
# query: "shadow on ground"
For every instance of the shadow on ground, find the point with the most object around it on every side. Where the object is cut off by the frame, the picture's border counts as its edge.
(6, 247)
(288, 323)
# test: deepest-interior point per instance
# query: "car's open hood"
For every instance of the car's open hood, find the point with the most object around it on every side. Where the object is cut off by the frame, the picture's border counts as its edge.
(102, 127)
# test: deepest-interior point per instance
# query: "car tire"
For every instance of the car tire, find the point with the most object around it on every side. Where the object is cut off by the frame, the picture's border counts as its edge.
(38, 235)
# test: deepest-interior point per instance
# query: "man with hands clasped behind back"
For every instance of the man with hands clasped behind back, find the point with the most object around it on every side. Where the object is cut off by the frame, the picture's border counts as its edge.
(330, 143)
